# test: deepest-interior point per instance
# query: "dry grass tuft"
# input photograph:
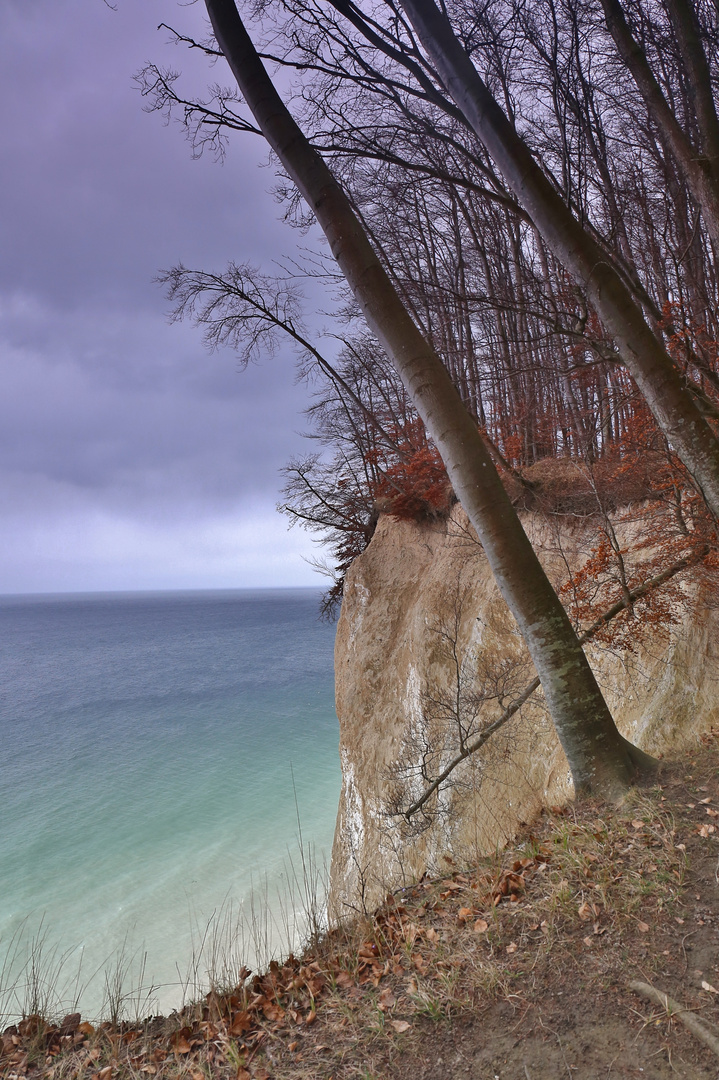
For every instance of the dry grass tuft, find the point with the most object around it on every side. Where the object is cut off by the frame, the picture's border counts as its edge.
(588, 893)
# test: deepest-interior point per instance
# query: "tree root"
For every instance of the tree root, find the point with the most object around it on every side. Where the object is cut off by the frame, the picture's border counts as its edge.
(695, 1024)
(643, 763)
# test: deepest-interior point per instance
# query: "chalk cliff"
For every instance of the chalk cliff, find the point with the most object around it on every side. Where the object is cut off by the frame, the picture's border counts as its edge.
(424, 644)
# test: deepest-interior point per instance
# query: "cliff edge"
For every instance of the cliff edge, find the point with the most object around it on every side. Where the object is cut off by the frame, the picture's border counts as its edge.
(427, 655)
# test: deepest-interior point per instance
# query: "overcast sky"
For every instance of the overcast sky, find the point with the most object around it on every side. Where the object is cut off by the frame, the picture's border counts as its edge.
(129, 457)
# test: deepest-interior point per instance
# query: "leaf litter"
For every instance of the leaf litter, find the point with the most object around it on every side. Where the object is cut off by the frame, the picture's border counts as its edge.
(516, 967)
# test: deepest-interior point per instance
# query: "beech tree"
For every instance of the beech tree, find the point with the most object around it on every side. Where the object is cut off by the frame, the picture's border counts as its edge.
(640, 349)
(697, 157)
(520, 337)
(601, 760)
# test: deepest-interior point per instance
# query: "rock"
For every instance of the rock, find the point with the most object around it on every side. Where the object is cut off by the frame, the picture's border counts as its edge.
(420, 592)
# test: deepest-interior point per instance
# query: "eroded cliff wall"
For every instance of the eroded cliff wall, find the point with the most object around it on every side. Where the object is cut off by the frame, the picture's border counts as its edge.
(425, 645)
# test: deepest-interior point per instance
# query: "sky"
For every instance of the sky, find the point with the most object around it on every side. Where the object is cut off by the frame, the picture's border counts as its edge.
(130, 457)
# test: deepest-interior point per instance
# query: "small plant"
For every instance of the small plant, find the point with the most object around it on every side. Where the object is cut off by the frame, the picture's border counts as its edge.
(126, 995)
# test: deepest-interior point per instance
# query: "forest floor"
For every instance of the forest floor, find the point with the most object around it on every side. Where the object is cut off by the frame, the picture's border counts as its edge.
(519, 968)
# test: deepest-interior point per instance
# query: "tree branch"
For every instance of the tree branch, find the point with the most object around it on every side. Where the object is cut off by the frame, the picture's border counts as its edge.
(606, 617)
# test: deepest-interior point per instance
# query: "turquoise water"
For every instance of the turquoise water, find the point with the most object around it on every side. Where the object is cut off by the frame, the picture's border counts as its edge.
(154, 749)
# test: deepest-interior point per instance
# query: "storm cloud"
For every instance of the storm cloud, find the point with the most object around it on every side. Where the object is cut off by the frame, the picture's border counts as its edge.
(129, 456)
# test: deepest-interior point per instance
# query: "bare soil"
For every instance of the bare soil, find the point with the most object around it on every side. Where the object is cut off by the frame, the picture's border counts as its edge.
(515, 969)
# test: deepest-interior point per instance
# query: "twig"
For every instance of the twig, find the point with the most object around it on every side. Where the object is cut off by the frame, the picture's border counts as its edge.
(673, 1008)
(509, 712)
(686, 958)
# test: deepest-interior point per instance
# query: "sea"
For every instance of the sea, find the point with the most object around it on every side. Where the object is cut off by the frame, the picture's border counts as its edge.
(169, 780)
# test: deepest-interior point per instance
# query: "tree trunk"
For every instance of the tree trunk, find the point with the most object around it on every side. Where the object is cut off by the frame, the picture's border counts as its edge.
(600, 759)
(640, 350)
(700, 177)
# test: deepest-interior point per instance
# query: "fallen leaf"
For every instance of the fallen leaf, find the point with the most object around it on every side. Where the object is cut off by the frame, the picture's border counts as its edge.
(241, 1022)
(585, 912)
(512, 947)
(709, 987)
(343, 979)
(712, 813)
(642, 926)
(400, 1026)
(273, 1012)
(481, 926)
(464, 914)
(703, 802)
(637, 824)
(588, 941)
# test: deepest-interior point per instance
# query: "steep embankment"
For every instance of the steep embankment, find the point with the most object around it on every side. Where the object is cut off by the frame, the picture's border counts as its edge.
(425, 647)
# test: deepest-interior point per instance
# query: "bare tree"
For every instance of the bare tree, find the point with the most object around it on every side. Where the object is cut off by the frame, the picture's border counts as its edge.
(600, 758)
(643, 353)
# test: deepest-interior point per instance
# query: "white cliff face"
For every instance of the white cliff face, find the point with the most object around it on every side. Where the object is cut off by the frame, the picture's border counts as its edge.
(422, 636)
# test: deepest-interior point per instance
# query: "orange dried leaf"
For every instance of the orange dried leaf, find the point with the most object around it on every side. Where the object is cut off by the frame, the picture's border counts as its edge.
(273, 1012)
(241, 1022)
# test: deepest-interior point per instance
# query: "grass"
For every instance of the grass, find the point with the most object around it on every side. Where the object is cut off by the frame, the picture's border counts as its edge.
(584, 890)
(39, 979)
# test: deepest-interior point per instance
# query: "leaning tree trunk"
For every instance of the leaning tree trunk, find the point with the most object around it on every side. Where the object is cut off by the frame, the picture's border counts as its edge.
(639, 349)
(600, 759)
(701, 173)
